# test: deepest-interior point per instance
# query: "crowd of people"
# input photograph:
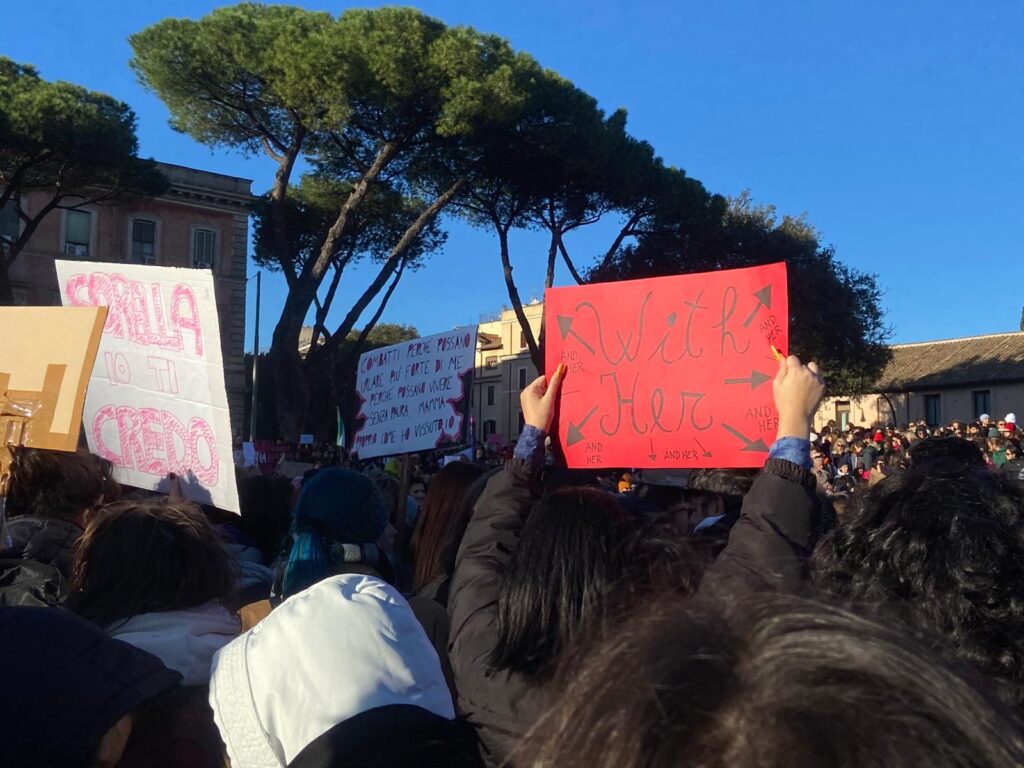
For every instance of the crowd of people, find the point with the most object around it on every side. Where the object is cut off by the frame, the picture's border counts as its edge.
(527, 615)
(843, 458)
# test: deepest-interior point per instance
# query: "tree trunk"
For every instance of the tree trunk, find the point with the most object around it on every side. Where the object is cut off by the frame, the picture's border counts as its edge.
(343, 390)
(397, 255)
(6, 289)
(292, 390)
(568, 262)
(549, 280)
(517, 303)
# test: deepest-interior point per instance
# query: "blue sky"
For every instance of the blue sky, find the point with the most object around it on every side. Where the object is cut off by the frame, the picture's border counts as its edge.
(897, 128)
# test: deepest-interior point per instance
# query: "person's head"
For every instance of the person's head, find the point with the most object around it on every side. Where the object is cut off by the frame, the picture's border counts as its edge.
(418, 489)
(442, 505)
(265, 502)
(776, 682)
(69, 691)
(844, 469)
(558, 580)
(1012, 452)
(336, 508)
(718, 494)
(143, 557)
(341, 674)
(67, 486)
(948, 452)
(942, 545)
(985, 419)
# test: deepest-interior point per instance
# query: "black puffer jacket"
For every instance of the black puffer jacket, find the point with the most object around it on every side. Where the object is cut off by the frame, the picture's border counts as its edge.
(781, 522)
(768, 549)
(26, 582)
(47, 540)
(502, 705)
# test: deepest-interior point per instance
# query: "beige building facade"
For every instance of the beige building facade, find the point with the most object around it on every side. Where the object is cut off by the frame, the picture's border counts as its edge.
(503, 369)
(201, 222)
(939, 382)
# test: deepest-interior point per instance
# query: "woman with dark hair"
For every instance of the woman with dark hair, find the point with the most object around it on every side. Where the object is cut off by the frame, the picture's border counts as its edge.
(442, 512)
(530, 575)
(771, 682)
(51, 497)
(155, 575)
(442, 504)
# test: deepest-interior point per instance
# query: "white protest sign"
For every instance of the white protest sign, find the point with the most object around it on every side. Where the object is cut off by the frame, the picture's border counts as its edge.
(412, 393)
(156, 402)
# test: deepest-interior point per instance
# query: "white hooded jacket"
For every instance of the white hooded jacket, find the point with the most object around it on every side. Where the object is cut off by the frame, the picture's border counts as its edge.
(185, 640)
(346, 645)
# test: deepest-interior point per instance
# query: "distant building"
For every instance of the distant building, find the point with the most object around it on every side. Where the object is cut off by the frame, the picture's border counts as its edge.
(503, 369)
(202, 222)
(940, 382)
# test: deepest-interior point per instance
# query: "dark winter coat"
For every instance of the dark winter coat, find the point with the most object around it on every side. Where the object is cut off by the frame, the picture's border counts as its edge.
(768, 549)
(502, 705)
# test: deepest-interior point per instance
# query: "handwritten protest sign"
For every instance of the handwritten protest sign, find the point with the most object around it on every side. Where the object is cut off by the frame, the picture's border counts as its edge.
(412, 394)
(156, 402)
(46, 356)
(669, 372)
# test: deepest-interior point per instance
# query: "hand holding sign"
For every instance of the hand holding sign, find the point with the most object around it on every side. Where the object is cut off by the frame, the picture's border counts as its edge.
(539, 399)
(798, 389)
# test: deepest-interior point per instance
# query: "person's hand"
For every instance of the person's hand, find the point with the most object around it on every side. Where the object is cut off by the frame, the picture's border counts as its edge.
(798, 390)
(175, 493)
(539, 398)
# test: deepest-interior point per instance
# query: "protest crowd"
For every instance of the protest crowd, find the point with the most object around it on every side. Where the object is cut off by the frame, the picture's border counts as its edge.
(532, 615)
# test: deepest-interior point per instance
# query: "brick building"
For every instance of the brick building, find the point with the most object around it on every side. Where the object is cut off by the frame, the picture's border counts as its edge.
(202, 221)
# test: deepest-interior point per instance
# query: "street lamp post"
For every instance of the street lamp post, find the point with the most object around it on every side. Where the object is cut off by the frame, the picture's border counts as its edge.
(255, 366)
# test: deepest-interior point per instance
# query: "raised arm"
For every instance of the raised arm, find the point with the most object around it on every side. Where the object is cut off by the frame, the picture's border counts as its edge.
(781, 519)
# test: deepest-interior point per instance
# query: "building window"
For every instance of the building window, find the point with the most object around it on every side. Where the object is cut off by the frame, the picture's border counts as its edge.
(522, 378)
(143, 241)
(842, 414)
(490, 394)
(10, 225)
(982, 402)
(522, 340)
(492, 361)
(203, 248)
(933, 410)
(490, 428)
(522, 422)
(77, 231)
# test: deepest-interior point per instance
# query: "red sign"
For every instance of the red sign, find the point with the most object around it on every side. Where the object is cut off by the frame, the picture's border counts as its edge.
(671, 371)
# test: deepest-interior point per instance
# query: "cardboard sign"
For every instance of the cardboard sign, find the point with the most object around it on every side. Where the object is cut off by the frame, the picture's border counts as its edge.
(412, 394)
(669, 372)
(46, 356)
(156, 402)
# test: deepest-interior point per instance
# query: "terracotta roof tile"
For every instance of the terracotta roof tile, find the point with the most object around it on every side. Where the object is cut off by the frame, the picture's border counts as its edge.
(955, 362)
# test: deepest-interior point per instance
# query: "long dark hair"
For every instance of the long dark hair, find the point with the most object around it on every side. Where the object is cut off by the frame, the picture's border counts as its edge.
(773, 682)
(445, 498)
(559, 579)
(140, 557)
